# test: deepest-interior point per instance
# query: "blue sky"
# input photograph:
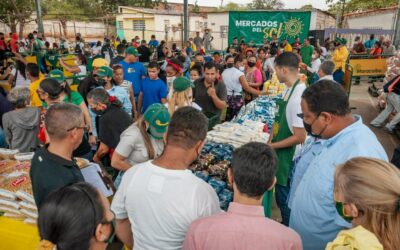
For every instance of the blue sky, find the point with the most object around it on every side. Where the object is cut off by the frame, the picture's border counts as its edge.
(289, 4)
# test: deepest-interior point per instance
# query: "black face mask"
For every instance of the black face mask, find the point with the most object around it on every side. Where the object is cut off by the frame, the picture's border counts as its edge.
(251, 64)
(308, 128)
(229, 65)
(101, 82)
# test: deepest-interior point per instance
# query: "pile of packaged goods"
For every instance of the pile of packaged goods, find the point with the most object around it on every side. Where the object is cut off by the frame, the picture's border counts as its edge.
(16, 199)
(273, 86)
(261, 109)
(237, 134)
(212, 166)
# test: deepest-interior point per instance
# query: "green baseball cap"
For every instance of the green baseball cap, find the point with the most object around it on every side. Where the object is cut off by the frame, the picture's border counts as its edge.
(132, 51)
(57, 75)
(105, 72)
(158, 117)
(181, 84)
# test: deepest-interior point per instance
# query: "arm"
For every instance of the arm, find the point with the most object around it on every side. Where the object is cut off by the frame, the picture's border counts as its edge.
(88, 121)
(247, 87)
(6, 130)
(6, 73)
(118, 162)
(70, 69)
(163, 100)
(124, 232)
(298, 137)
(140, 102)
(101, 152)
(220, 104)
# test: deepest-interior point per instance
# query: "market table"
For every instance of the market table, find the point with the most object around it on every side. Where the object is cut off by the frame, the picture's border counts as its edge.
(17, 235)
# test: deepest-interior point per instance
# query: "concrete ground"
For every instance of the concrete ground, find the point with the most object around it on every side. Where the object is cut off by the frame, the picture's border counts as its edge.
(366, 106)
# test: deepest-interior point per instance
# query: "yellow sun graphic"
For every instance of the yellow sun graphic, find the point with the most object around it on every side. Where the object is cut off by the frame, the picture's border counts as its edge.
(293, 27)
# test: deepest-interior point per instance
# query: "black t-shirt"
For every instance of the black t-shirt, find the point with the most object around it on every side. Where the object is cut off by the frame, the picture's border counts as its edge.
(86, 85)
(116, 60)
(204, 100)
(145, 54)
(111, 125)
(50, 172)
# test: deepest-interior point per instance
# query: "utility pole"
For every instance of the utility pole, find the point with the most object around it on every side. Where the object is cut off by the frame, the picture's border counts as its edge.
(396, 39)
(185, 21)
(39, 16)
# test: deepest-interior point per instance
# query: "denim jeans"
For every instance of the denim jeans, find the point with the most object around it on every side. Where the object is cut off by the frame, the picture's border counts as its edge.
(393, 103)
(282, 195)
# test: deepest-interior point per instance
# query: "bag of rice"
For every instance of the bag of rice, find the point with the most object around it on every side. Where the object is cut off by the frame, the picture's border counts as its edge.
(26, 195)
(28, 206)
(9, 203)
(14, 216)
(8, 209)
(29, 214)
(30, 221)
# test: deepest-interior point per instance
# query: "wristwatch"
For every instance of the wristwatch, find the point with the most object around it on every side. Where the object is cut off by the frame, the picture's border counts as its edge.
(90, 133)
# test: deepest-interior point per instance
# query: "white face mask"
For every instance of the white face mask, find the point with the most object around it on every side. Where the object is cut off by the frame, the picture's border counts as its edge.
(314, 56)
(241, 68)
(170, 80)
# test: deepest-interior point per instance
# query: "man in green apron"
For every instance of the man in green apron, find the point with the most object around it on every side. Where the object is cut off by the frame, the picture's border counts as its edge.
(288, 129)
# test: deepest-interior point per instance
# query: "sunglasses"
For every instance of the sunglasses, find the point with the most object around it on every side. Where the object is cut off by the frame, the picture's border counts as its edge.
(85, 128)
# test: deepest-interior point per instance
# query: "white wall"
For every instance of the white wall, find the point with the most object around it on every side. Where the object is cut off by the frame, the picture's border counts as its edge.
(214, 22)
(313, 20)
(377, 21)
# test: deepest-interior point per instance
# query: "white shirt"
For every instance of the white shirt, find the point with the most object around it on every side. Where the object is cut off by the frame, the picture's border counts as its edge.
(270, 65)
(83, 70)
(161, 204)
(231, 77)
(20, 81)
(133, 147)
(96, 50)
(315, 64)
(293, 107)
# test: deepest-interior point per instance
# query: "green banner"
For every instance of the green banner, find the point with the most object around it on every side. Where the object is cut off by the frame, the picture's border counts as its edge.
(259, 25)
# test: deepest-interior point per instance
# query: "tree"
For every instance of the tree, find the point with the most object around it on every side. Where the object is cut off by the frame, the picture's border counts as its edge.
(14, 12)
(266, 5)
(196, 8)
(233, 6)
(307, 7)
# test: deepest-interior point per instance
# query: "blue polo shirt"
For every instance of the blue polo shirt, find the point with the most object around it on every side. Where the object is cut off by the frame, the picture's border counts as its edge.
(153, 91)
(134, 73)
(313, 215)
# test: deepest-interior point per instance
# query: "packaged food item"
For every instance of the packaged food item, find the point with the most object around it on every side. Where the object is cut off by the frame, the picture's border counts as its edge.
(25, 195)
(24, 156)
(29, 214)
(218, 185)
(9, 203)
(202, 175)
(8, 209)
(5, 194)
(28, 205)
(81, 162)
(225, 197)
(14, 216)
(7, 154)
(30, 221)
(219, 170)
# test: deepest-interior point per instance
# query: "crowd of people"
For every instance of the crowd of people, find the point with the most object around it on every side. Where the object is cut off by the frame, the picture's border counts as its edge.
(146, 123)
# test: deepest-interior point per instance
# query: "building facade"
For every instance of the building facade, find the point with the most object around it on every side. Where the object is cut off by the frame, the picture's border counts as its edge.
(372, 19)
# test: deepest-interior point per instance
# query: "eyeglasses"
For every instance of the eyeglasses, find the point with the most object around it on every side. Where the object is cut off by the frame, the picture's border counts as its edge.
(85, 128)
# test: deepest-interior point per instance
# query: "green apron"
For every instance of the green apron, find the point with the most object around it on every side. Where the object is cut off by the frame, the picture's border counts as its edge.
(280, 131)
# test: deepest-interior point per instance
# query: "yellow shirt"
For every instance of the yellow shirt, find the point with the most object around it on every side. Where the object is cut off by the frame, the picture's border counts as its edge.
(354, 239)
(339, 57)
(288, 48)
(35, 100)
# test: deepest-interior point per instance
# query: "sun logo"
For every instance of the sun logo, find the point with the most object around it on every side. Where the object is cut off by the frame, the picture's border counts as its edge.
(293, 27)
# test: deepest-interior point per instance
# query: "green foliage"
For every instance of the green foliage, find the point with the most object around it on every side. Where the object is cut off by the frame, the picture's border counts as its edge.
(13, 12)
(358, 5)
(307, 7)
(232, 7)
(196, 8)
(266, 5)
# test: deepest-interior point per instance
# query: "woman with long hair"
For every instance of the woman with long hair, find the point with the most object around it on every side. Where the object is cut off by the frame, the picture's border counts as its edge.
(18, 77)
(76, 217)
(182, 95)
(142, 141)
(367, 195)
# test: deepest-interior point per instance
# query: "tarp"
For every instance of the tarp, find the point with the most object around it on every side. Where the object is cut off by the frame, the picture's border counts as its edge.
(259, 25)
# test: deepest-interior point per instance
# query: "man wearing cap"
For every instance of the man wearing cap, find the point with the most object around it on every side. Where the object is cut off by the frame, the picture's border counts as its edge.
(162, 197)
(209, 93)
(90, 82)
(340, 54)
(134, 71)
(112, 121)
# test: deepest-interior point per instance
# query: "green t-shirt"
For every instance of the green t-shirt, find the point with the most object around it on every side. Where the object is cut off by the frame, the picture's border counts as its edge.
(306, 54)
(76, 99)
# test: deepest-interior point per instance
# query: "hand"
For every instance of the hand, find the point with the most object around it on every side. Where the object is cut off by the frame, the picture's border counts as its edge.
(7, 71)
(135, 115)
(92, 140)
(96, 159)
(211, 91)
